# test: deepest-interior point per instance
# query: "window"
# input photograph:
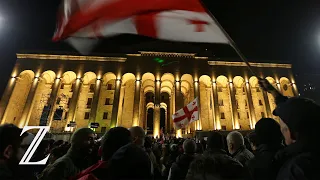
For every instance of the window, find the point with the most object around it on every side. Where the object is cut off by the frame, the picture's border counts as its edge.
(72, 87)
(69, 101)
(246, 103)
(219, 89)
(262, 114)
(65, 115)
(86, 115)
(62, 86)
(92, 88)
(109, 87)
(248, 115)
(107, 102)
(285, 87)
(89, 102)
(238, 115)
(103, 129)
(260, 103)
(243, 89)
(220, 102)
(105, 115)
(237, 104)
(224, 128)
(222, 116)
(58, 100)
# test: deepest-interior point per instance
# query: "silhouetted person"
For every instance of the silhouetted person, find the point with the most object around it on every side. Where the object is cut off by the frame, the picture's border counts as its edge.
(237, 148)
(75, 160)
(267, 142)
(12, 148)
(226, 166)
(299, 125)
(112, 141)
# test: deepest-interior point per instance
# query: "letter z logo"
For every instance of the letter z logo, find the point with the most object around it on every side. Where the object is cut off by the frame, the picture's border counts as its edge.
(34, 145)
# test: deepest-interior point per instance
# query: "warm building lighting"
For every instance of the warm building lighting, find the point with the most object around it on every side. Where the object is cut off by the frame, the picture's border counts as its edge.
(179, 133)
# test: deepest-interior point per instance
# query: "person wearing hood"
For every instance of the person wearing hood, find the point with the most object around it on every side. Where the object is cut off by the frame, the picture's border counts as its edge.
(180, 168)
(74, 161)
(267, 142)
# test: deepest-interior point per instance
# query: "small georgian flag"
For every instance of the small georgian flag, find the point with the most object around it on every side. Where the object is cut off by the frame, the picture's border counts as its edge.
(188, 114)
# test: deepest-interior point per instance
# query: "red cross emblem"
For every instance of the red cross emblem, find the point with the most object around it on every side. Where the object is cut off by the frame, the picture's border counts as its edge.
(187, 113)
(199, 24)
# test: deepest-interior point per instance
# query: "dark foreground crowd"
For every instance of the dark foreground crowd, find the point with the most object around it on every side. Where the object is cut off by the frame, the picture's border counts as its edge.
(273, 151)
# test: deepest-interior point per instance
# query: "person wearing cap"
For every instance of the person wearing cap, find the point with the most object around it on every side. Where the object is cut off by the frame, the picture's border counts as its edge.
(299, 123)
(267, 141)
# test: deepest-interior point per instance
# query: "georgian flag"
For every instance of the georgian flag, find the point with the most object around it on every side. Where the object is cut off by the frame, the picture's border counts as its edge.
(188, 114)
(82, 22)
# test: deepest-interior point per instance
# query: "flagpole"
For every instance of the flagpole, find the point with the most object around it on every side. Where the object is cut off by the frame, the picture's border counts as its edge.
(231, 42)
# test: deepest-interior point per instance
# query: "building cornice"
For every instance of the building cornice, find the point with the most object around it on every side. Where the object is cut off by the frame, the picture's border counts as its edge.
(71, 57)
(147, 53)
(264, 65)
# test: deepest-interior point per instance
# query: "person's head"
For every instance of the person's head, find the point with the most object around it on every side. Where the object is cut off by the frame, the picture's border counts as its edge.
(138, 135)
(253, 140)
(235, 141)
(43, 147)
(215, 141)
(189, 146)
(299, 119)
(268, 132)
(199, 148)
(12, 145)
(113, 140)
(82, 140)
(148, 142)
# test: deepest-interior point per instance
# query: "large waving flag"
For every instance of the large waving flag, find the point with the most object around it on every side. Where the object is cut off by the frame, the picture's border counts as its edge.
(82, 22)
(188, 114)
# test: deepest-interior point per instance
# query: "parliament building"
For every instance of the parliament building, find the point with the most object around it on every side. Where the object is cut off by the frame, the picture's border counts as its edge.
(67, 92)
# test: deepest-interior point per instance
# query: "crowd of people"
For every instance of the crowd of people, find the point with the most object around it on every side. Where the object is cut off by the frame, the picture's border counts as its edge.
(272, 151)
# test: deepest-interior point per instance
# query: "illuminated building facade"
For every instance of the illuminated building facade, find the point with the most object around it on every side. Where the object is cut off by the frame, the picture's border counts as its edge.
(67, 92)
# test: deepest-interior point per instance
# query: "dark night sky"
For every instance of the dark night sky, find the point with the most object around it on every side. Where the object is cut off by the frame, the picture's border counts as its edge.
(274, 30)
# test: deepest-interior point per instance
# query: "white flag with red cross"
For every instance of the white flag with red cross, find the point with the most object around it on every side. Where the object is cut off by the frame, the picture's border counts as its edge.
(188, 114)
(82, 22)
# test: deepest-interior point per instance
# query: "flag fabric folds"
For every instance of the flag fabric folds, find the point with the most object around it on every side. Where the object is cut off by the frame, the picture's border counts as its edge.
(175, 20)
(188, 114)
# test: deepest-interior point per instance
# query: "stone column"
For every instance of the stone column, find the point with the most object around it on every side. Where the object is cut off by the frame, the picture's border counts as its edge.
(136, 106)
(197, 95)
(74, 101)
(234, 107)
(115, 106)
(267, 104)
(53, 99)
(252, 113)
(216, 106)
(29, 104)
(156, 113)
(178, 102)
(95, 101)
(295, 90)
(6, 97)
